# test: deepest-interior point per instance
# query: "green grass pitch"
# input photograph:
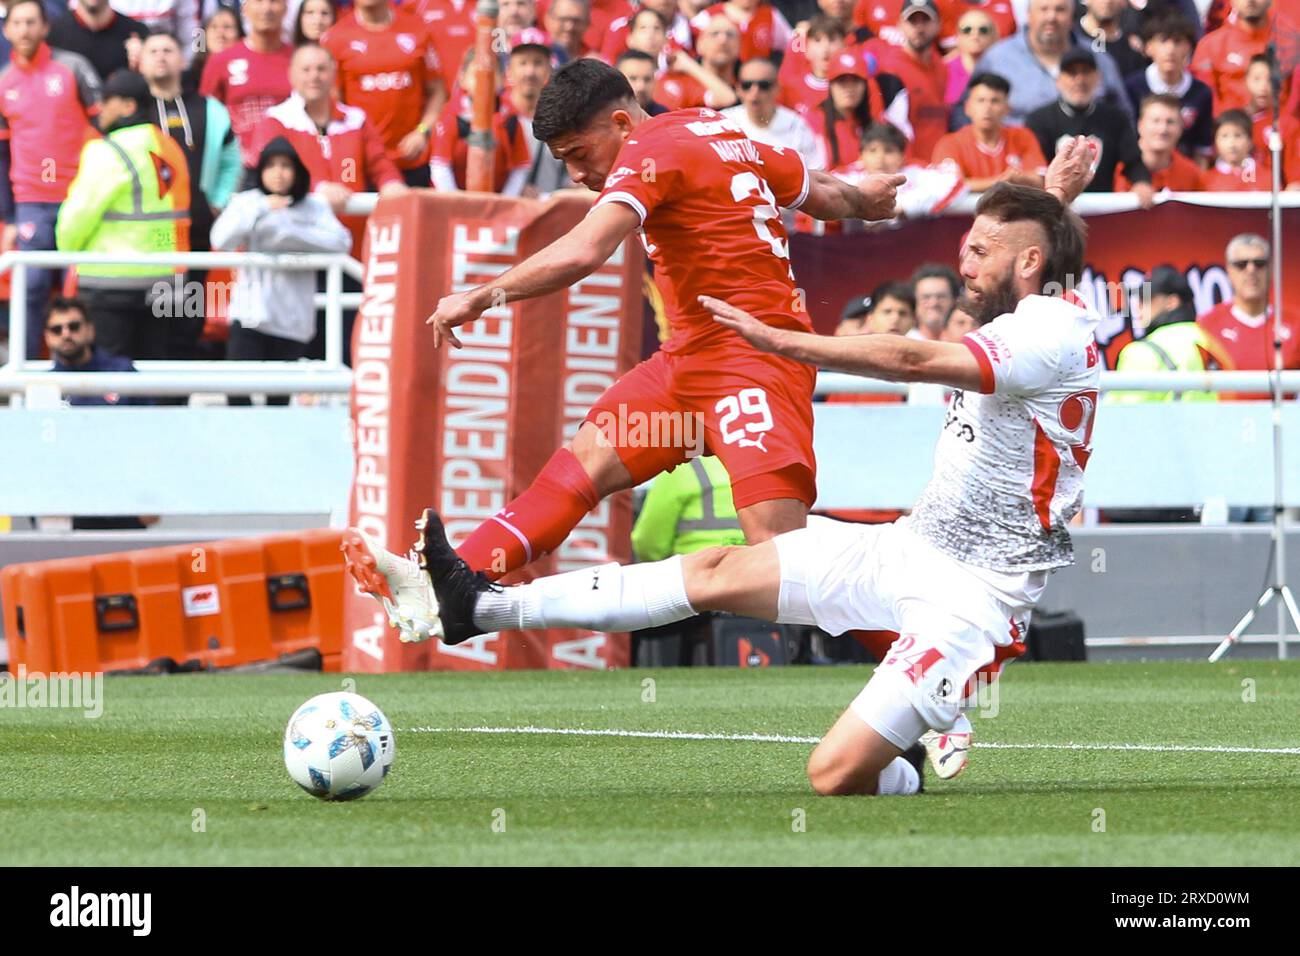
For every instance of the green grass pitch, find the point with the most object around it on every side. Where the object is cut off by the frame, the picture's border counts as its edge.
(130, 787)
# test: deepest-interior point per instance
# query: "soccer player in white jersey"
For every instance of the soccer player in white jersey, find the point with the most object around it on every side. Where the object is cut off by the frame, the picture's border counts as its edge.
(957, 578)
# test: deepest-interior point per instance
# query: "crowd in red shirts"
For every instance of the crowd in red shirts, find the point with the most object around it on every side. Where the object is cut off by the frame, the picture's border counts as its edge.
(958, 94)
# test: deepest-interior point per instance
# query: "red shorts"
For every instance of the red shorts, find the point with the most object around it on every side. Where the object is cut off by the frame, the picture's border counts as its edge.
(750, 409)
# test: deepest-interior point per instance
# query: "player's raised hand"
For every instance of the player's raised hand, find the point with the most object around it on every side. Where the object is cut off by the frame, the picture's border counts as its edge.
(881, 193)
(1071, 169)
(763, 337)
(452, 311)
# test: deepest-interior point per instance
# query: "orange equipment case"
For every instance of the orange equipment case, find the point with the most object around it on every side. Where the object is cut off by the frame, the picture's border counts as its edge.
(212, 604)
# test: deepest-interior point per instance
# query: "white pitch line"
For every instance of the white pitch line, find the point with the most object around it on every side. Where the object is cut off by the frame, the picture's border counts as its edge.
(786, 739)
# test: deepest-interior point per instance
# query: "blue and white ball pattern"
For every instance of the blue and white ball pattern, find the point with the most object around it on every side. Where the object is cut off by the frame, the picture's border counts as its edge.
(339, 746)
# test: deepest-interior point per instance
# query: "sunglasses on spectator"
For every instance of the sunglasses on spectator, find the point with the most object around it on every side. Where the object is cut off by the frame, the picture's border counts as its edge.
(1241, 264)
(763, 85)
(57, 328)
(983, 31)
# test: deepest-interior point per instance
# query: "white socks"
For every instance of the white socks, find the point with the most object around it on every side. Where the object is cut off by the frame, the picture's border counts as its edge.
(898, 779)
(610, 597)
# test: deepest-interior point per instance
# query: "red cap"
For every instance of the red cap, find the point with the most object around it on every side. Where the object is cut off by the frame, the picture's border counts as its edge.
(847, 63)
(531, 36)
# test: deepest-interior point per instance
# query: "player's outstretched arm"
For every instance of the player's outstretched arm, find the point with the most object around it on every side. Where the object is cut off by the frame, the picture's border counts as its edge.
(894, 358)
(830, 197)
(575, 255)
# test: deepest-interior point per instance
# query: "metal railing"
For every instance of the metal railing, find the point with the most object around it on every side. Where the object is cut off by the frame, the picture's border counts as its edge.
(839, 383)
(163, 377)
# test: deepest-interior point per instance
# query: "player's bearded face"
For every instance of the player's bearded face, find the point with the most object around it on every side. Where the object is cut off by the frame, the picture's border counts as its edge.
(997, 298)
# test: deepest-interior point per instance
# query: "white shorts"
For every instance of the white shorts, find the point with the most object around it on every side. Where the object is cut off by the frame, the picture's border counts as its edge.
(844, 577)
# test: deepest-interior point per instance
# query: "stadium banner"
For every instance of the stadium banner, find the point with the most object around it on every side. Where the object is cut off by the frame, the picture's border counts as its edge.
(466, 430)
(1123, 248)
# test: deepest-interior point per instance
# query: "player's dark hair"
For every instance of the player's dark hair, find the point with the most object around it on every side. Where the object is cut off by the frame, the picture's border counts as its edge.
(1066, 232)
(1171, 26)
(1161, 99)
(886, 134)
(578, 93)
(1260, 58)
(893, 289)
(825, 27)
(992, 80)
(1237, 118)
(934, 270)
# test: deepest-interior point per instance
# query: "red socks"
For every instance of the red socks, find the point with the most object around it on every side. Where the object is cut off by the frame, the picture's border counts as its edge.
(536, 522)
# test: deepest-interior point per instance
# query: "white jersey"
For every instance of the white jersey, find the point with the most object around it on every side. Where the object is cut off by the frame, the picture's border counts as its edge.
(1008, 468)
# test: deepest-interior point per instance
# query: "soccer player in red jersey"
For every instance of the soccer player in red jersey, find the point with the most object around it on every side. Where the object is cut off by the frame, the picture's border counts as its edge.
(388, 67)
(706, 202)
(252, 75)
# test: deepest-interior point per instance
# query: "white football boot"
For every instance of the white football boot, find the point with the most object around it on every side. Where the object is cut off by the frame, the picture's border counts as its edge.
(398, 583)
(949, 753)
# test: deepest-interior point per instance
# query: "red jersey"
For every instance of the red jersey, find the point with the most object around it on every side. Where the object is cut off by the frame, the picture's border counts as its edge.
(926, 84)
(386, 73)
(765, 31)
(44, 110)
(1221, 59)
(881, 18)
(1250, 176)
(614, 43)
(248, 83)
(1248, 339)
(805, 92)
(451, 24)
(1263, 126)
(711, 221)
(841, 144)
(680, 91)
(1181, 175)
(951, 12)
(451, 146)
(603, 12)
(1017, 149)
(350, 152)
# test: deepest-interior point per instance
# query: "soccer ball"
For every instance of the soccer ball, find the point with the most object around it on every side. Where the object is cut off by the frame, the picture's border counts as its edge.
(339, 746)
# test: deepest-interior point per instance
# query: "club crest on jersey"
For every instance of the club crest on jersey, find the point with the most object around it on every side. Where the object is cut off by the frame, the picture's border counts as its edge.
(238, 72)
(357, 46)
(54, 86)
(406, 42)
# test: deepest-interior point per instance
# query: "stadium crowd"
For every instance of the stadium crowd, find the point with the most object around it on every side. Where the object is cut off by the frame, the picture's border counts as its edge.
(370, 96)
